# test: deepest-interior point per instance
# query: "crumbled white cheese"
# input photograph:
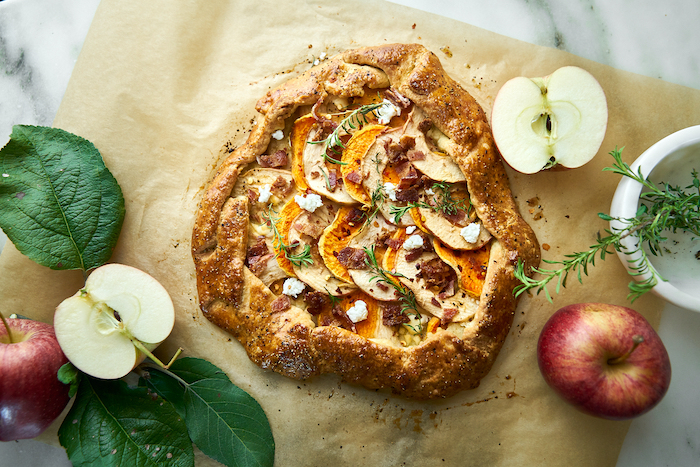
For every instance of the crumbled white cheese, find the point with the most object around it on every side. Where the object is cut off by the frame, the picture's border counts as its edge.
(293, 287)
(429, 191)
(322, 56)
(265, 193)
(471, 232)
(410, 229)
(316, 62)
(357, 312)
(386, 111)
(390, 190)
(278, 135)
(309, 202)
(413, 242)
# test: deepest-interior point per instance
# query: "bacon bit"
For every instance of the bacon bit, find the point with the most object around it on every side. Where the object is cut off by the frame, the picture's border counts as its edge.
(408, 142)
(410, 195)
(382, 286)
(394, 151)
(414, 254)
(457, 218)
(448, 290)
(354, 177)
(425, 125)
(342, 320)
(435, 302)
(257, 256)
(396, 98)
(448, 315)
(275, 160)
(353, 258)
(333, 176)
(253, 195)
(281, 303)
(304, 225)
(354, 216)
(394, 243)
(281, 187)
(392, 315)
(316, 302)
(437, 274)
(415, 155)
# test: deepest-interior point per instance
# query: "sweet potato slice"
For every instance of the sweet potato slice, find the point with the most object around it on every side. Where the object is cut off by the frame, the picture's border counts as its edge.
(335, 237)
(300, 133)
(352, 158)
(289, 212)
(470, 265)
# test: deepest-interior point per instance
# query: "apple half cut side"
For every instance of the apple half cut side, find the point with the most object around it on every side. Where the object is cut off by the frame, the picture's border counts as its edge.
(560, 119)
(110, 325)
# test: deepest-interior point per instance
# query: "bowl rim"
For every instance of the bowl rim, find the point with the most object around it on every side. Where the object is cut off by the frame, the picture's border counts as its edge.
(629, 190)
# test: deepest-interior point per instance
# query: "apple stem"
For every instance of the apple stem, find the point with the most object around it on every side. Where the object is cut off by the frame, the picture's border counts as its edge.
(7, 326)
(149, 354)
(636, 340)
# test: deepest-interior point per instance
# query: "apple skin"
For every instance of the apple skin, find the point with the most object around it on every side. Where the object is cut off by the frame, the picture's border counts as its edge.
(574, 350)
(31, 396)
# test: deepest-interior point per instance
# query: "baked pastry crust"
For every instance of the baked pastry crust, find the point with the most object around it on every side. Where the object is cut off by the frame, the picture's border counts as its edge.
(292, 342)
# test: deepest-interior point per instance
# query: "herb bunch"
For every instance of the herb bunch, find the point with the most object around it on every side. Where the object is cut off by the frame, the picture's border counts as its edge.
(300, 259)
(663, 208)
(445, 204)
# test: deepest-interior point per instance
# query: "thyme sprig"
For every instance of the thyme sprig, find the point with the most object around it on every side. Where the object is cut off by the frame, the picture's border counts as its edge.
(352, 122)
(445, 204)
(663, 207)
(300, 259)
(406, 295)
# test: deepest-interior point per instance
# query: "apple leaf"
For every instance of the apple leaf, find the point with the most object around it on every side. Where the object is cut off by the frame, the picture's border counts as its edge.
(59, 204)
(224, 421)
(112, 424)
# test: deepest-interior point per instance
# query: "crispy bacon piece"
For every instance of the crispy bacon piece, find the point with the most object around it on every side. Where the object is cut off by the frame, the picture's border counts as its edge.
(448, 290)
(257, 256)
(281, 187)
(275, 160)
(394, 243)
(253, 195)
(425, 125)
(353, 258)
(316, 302)
(448, 315)
(338, 318)
(354, 177)
(397, 99)
(415, 155)
(280, 304)
(354, 216)
(415, 253)
(306, 226)
(410, 195)
(458, 218)
(392, 315)
(334, 179)
(438, 275)
(407, 174)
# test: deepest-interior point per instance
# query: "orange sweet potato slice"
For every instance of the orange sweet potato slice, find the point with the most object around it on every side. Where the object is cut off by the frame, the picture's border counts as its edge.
(299, 135)
(470, 265)
(289, 212)
(352, 158)
(335, 237)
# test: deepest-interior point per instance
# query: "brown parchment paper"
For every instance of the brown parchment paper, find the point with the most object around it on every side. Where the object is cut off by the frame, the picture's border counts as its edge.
(160, 86)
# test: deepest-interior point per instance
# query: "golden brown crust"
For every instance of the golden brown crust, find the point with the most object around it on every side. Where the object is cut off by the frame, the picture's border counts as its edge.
(289, 341)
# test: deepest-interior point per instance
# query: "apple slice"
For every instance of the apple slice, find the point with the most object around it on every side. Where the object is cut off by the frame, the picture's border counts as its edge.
(560, 119)
(109, 326)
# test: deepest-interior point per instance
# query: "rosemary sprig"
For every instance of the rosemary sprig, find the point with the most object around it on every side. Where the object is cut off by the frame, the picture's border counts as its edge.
(446, 204)
(376, 202)
(662, 208)
(300, 259)
(406, 295)
(352, 122)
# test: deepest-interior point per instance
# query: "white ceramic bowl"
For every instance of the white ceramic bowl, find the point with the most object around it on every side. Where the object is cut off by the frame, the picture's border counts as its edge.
(670, 160)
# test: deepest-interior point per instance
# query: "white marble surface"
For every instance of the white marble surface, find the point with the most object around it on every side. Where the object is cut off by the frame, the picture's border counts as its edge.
(41, 39)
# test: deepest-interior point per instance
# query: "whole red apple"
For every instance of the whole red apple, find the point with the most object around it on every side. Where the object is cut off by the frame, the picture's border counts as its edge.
(606, 360)
(31, 396)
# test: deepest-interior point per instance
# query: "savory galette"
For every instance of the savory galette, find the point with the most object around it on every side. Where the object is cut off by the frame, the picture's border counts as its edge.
(365, 228)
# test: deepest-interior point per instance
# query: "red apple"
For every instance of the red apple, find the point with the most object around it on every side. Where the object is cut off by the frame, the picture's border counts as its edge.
(604, 359)
(31, 396)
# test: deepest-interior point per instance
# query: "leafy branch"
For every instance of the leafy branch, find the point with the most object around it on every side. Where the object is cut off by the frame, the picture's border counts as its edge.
(300, 259)
(352, 122)
(406, 295)
(445, 204)
(662, 208)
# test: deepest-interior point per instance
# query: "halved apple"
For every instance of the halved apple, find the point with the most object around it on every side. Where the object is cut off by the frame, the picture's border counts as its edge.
(559, 119)
(110, 325)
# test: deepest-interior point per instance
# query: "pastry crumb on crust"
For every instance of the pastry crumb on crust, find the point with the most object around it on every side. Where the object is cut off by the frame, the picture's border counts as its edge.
(434, 314)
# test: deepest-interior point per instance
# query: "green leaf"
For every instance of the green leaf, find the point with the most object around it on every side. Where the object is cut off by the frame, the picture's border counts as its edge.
(224, 421)
(59, 204)
(112, 424)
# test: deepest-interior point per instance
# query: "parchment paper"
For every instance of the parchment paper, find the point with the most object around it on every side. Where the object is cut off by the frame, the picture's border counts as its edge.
(160, 86)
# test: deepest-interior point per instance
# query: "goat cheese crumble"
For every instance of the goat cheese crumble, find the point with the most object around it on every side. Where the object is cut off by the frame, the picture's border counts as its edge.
(471, 232)
(278, 135)
(410, 229)
(293, 287)
(309, 202)
(357, 312)
(386, 112)
(413, 242)
(265, 193)
(390, 190)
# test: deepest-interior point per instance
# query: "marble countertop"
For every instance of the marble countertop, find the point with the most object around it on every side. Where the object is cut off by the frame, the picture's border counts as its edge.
(40, 41)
